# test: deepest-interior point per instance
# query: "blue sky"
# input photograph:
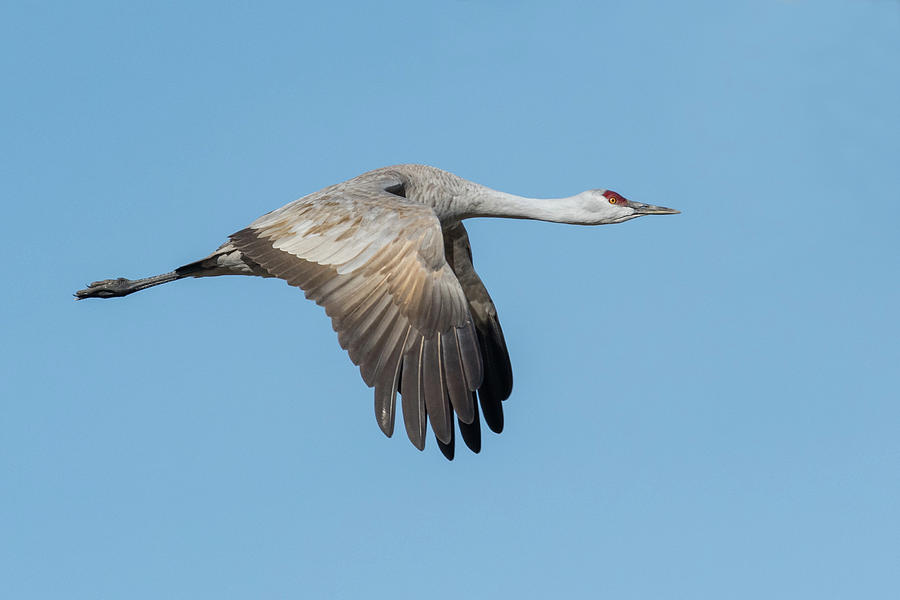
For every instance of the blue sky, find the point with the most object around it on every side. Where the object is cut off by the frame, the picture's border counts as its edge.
(705, 406)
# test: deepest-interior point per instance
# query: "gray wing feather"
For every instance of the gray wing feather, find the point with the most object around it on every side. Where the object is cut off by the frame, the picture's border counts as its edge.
(460, 396)
(387, 379)
(436, 400)
(412, 394)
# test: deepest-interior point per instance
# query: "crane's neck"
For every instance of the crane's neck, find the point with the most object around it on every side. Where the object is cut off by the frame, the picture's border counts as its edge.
(485, 202)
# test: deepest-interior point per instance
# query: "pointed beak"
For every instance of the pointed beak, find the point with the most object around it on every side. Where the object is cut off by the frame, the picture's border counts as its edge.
(649, 209)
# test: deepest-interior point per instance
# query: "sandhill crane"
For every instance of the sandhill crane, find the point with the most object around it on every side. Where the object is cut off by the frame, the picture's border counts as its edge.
(387, 256)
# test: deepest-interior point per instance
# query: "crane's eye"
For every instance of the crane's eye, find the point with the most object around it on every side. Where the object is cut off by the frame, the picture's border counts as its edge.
(612, 200)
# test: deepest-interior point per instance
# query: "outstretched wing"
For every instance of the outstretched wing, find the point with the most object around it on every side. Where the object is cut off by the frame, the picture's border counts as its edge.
(497, 383)
(375, 261)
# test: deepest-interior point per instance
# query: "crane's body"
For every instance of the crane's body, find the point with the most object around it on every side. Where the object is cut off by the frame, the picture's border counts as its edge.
(387, 256)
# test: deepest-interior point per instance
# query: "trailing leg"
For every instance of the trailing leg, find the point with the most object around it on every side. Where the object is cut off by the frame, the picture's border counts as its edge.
(113, 288)
(225, 261)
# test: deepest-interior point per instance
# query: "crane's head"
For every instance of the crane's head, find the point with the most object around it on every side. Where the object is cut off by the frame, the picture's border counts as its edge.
(608, 206)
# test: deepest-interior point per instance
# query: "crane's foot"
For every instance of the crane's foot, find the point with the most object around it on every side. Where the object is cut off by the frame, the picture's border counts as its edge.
(108, 288)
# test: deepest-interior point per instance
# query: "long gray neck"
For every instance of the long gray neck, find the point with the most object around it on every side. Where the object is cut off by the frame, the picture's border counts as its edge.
(485, 202)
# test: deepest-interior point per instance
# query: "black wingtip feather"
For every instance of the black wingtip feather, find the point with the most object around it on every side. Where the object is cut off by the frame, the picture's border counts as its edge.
(497, 383)
(493, 412)
(471, 432)
(449, 448)
(499, 377)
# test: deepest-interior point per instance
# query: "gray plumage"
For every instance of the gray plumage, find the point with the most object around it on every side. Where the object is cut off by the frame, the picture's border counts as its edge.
(387, 256)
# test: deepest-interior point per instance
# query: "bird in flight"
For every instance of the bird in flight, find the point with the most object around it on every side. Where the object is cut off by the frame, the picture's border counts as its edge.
(387, 256)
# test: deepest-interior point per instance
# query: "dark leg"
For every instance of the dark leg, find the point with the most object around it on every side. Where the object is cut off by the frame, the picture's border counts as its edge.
(113, 288)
